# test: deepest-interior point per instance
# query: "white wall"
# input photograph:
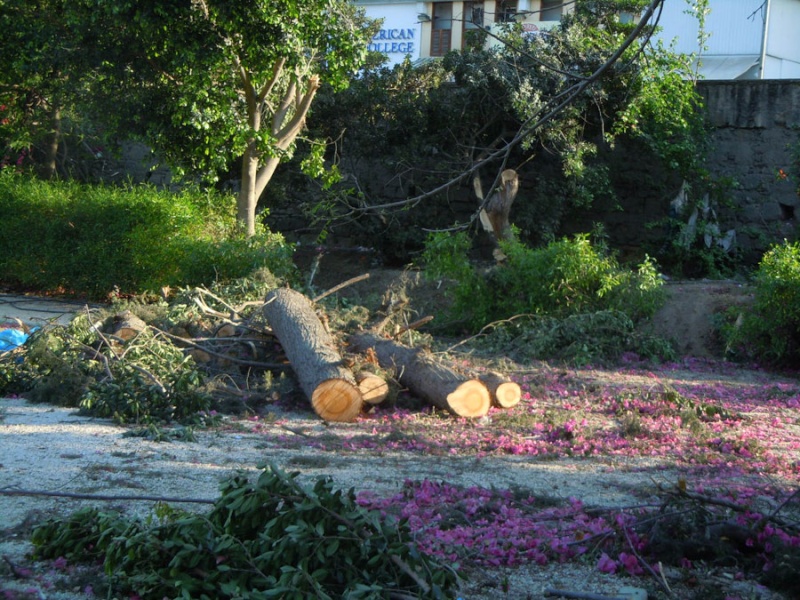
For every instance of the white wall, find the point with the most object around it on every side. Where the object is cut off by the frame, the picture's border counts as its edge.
(783, 41)
(736, 27)
(400, 34)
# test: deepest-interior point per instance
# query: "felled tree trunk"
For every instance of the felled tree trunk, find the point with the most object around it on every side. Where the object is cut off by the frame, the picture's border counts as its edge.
(374, 389)
(127, 325)
(312, 353)
(427, 378)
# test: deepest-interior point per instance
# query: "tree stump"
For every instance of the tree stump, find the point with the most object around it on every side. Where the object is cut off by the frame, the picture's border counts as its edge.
(312, 352)
(426, 377)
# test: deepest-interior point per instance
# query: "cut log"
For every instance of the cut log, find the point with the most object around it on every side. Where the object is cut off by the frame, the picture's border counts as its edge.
(127, 325)
(374, 389)
(426, 377)
(504, 392)
(312, 353)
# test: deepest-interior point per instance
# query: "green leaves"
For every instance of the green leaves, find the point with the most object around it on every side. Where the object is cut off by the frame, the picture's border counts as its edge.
(270, 539)
(771, 330)
(566, 278)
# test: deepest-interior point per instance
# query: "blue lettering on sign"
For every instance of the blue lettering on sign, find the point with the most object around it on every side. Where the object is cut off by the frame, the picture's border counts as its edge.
(386, 41)
(392, 48)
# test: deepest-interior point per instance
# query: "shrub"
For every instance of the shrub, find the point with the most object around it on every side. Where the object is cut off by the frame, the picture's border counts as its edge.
(567, 277)
(770, 331)
(92, 239)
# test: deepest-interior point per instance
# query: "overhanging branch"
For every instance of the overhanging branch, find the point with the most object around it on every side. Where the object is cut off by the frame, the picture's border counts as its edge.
(558, 103)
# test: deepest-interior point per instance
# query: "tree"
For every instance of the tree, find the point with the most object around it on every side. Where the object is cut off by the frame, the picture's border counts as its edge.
(35, 81)
(562, 97)
(202, 81)
(219, 79)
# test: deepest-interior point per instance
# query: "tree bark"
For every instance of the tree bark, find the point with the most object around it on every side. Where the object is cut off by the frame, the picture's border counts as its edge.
(312, 352)
(426, 377)
(49, 162)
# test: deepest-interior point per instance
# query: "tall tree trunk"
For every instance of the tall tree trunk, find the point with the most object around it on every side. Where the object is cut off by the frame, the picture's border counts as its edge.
(48, 166)
(248, 194)
(287, 123)
(247, 200)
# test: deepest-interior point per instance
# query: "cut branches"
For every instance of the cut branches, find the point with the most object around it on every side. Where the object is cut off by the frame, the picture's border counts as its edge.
(427, 377)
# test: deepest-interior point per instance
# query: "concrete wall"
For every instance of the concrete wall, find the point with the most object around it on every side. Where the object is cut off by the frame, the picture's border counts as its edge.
(755, 124)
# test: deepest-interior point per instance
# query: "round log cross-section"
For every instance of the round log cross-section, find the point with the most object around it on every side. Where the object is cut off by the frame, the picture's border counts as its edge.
(426, 377)
(312, 352)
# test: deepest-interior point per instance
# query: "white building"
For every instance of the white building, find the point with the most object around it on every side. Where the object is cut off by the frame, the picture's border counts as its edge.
(748, 39)
(431, 29)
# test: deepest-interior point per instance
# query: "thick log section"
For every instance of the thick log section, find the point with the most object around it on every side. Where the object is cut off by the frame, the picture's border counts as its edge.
(426, 377)
(504, 392)
(312, 352)
(127, 325)
(374, 389)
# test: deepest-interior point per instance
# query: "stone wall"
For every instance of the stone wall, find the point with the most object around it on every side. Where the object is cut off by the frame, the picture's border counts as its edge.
(755, 124)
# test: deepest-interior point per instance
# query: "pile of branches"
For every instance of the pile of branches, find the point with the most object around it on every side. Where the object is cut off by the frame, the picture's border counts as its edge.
(235, 348)
(272, 538)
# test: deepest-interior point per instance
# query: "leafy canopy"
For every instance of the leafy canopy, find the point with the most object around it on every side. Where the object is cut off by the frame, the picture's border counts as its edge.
(182, 73)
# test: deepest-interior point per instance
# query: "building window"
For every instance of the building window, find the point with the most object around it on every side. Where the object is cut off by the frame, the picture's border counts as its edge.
(505, 11)
(551, 10)
(442, 28)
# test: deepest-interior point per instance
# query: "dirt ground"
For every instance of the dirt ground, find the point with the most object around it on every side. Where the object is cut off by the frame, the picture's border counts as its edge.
(47, 448)
(692, 310)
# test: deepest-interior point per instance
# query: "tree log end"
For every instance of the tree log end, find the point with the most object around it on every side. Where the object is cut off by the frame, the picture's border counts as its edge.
(337, 400)
(374, 389)
(507, 395)
(470, 399)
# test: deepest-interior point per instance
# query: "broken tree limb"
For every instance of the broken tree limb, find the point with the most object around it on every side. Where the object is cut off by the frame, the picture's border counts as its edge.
(431, 380)
(313, 356)
(341, 286)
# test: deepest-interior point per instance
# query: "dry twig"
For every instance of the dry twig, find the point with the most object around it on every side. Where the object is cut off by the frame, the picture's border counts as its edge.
(341, 286)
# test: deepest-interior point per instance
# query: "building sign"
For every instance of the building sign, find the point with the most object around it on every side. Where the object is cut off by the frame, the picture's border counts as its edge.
(394, 41)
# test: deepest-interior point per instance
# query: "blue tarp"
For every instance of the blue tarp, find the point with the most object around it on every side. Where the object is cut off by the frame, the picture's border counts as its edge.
(12, 338)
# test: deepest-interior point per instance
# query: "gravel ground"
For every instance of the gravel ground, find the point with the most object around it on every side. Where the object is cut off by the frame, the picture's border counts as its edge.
(44, 448)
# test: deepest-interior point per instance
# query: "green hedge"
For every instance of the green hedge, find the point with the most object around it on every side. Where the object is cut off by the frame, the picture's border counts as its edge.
(89, 240)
